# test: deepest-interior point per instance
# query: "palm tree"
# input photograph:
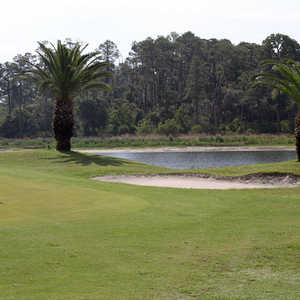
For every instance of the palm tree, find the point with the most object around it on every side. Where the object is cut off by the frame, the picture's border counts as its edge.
(64, 72)
(284, 76)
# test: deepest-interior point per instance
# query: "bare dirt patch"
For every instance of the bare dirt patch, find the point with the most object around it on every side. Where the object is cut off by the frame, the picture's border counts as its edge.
(203, 181)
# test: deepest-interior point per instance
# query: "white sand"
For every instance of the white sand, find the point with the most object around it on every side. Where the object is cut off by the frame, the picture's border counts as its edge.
(191, 182)
(188, 182)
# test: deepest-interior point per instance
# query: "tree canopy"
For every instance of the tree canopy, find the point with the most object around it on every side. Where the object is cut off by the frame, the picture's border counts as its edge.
(200, 84)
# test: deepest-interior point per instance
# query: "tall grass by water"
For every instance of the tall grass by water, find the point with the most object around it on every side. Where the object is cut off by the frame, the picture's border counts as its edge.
(128, 141)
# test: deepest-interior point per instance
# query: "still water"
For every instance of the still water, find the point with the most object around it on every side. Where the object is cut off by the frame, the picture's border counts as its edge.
(198, 160)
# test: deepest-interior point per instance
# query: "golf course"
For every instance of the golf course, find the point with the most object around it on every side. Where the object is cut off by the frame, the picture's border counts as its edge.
(64, 236)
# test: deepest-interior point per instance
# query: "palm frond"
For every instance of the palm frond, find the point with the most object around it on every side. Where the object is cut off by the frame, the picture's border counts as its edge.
(65, 70)
(284, 76)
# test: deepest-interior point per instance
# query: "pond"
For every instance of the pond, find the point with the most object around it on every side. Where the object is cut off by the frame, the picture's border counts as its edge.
(198, 160)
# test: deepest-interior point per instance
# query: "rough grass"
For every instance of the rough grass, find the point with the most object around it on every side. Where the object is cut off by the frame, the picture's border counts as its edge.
(66, 237)
(133, 141)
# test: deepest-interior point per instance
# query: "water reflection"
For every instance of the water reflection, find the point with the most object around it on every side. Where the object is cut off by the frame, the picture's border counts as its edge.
(198, 160)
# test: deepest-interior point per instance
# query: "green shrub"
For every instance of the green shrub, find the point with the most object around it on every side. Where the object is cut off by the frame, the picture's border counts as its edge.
(202, 127)
(145, 127)
(219, 139)
(285, 126)
(196, 129)
(169, 127)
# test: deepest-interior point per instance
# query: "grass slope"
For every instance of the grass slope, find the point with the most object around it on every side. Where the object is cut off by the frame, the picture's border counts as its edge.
(66, 237)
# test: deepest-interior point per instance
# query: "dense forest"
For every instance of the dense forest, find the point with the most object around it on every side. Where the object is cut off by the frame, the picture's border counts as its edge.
(168, 85)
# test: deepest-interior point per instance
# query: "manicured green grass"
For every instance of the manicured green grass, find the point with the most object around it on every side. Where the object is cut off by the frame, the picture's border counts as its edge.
(64, 236)
(292, 167)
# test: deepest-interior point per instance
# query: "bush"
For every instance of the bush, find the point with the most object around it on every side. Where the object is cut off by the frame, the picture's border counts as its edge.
(196, 129)
(202, 127)
(236, 126)
(169, 127)
(123, 129)
(183, 119)
(285, 126)
(145, 127)
(219, 139)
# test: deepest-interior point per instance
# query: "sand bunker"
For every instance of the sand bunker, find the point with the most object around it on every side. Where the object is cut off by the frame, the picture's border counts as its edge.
(200, 181)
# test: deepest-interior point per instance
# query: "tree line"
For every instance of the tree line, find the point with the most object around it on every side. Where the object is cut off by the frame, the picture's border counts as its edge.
(169, 85)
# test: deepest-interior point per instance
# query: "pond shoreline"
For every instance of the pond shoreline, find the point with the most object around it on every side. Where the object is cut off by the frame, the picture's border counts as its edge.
(192, 149)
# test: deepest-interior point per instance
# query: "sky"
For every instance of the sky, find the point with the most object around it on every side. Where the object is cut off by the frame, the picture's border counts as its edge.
(23, 23)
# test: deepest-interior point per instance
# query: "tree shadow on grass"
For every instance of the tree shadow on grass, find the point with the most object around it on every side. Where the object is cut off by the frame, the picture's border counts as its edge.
(88, 159)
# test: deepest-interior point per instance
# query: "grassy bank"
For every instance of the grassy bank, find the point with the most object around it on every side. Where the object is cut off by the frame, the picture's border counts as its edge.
(66, 237)
(155, 141)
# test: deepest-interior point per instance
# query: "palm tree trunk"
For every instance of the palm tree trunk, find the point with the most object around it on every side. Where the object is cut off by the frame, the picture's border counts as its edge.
(297, 134)
(63, 124)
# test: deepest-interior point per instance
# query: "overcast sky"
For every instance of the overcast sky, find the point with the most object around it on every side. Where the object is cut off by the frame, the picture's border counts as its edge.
(23, 23)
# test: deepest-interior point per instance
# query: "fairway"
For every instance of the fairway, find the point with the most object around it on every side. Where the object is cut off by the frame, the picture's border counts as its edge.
(64, 236)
